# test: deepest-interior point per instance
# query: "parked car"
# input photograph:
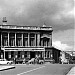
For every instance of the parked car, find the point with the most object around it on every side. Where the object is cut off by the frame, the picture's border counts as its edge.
(71, 61)
(26, 60)
(66, 61)
(41, 61)
(32, 61)
(19, 60)
(4, 61)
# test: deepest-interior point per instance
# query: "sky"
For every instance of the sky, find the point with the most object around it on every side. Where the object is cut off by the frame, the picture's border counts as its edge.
(56, 13)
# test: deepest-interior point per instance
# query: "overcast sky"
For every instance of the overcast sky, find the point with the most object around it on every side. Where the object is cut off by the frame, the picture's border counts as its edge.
(56, 13)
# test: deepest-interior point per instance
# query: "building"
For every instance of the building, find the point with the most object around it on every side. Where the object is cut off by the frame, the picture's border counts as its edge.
(26, 41)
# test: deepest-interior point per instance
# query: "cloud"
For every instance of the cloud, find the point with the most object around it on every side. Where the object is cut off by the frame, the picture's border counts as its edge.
(65, 37)
(57, 13)
(62, 46)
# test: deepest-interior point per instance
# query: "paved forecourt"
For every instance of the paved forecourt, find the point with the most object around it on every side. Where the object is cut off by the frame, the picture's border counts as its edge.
(45, 69)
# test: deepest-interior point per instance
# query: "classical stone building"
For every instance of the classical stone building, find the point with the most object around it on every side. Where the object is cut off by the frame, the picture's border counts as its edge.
(27, 41)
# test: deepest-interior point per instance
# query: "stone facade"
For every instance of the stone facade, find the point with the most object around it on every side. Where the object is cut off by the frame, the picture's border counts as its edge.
(25, 41)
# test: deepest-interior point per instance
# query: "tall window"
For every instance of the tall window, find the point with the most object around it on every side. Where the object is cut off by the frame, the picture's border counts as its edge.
(19, 39)
(32, 39)
(12, 39)
(25, 42)
(44, 42)
(5, 39)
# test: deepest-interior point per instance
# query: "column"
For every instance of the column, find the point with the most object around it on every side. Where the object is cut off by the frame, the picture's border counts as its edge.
(8, 38)
(1, 39)
(15, 39)
(49, 54)
(38, 39)
(50, 41)
(28, 39)
(35, 39)
(22, 39)
(44, 55)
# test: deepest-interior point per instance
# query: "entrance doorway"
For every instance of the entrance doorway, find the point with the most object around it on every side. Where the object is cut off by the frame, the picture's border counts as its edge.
(6, 55)
(32, 54)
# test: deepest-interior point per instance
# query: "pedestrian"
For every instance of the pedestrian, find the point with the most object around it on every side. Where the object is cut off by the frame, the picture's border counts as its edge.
(24, 61)
(14, 60)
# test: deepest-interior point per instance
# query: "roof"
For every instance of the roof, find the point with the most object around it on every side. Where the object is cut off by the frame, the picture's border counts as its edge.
(25, 27)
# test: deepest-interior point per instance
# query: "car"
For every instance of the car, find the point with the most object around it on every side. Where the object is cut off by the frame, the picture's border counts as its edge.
(71, 61)
(65, 61)
(26, 60)
(4, 61)
(19, 60)
(31, 61)
(41, 61)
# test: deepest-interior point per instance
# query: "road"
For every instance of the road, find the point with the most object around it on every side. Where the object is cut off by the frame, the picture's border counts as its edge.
(45, 69)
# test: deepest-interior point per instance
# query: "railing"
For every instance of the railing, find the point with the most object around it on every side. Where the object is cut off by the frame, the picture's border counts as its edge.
(25, 27)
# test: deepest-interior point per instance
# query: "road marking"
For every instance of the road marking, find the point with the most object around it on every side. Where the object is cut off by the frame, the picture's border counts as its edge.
(30, 70)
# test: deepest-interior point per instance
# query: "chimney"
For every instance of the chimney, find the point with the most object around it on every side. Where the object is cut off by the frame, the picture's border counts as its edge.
(4, 21)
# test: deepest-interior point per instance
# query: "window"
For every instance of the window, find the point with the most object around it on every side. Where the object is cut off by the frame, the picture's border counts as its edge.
(12, 42)
(19, 39)
(5, 39)
(44, 42)
(5, 42)
(19, 42)
(12, 39)
(32, 39)
(32, 42)
(25, 42)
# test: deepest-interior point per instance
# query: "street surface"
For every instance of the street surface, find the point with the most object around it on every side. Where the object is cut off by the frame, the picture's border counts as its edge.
(45, 69)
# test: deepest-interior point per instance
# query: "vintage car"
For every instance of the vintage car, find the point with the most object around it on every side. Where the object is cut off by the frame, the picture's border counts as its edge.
(41, 61)
(32, 61)
(65, 61)
(4, 61)
(19, 61)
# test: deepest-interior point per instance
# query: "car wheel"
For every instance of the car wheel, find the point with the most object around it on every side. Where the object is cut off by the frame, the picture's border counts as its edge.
(8, 63)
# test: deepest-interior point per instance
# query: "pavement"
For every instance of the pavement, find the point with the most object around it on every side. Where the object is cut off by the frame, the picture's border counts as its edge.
(6, 67)
(72, 71)
(45, 69)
